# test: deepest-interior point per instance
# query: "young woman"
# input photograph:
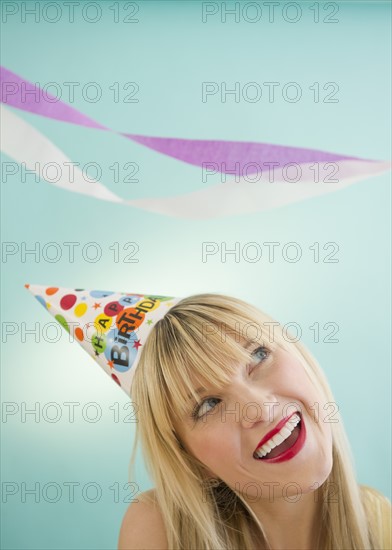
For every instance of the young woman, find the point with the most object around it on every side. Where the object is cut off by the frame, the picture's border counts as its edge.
(243, 441)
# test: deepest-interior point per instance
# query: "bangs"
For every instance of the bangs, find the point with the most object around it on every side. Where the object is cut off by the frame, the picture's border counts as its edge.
(202, 347)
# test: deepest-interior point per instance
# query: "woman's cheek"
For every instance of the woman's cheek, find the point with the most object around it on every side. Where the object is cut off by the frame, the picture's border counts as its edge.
(328, 412)
(297, 389)
(206, 446)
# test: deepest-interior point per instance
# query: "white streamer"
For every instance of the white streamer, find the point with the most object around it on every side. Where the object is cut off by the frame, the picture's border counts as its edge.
(25, 144)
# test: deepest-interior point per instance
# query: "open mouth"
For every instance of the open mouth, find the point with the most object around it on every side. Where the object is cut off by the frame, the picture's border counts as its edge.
(283, 442)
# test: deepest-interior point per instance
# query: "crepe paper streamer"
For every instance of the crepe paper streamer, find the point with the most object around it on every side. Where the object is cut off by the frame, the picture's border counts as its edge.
(23, 143)
(246, 158)
(111, 327)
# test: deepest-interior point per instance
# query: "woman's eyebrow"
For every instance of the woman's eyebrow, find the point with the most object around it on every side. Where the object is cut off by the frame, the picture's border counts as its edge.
(250, 344)
(200, 391)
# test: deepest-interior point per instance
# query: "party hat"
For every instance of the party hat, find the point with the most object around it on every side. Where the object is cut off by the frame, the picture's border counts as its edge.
(111, 326)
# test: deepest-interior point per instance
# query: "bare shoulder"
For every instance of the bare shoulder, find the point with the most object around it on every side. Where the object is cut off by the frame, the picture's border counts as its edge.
(142, 527)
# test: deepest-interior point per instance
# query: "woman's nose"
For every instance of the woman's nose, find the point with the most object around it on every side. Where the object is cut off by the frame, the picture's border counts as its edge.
(250, 406)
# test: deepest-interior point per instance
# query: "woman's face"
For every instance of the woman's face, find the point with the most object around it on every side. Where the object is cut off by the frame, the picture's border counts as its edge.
(259, 402)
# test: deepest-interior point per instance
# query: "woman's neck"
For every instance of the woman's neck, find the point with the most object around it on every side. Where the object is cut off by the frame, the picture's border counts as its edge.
(289, 525)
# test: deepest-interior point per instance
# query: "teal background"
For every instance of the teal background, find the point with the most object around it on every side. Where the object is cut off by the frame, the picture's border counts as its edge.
(169, 53)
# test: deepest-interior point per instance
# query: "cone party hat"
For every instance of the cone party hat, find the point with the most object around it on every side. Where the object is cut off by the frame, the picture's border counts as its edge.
(111, 326)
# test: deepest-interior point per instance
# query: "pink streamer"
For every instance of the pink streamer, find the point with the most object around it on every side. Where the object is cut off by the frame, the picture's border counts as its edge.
(221, 156)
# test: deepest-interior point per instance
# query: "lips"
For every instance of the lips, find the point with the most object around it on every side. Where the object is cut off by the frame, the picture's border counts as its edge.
(275, 430)
(282, 449)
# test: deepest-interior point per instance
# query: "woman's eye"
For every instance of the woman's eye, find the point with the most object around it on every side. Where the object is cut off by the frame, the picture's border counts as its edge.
(203, 408)
(260, 354)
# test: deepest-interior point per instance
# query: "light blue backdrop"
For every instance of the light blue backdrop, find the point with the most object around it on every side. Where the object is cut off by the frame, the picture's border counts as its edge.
(170, 52)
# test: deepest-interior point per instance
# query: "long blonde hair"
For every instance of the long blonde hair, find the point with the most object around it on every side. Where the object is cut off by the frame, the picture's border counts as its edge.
(200, 336)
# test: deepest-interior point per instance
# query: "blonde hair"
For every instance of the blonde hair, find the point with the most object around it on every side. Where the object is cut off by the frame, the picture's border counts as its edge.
(203, 336)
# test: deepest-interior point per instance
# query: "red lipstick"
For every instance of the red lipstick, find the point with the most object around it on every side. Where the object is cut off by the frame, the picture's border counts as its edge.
(288, 454)
(275, 430)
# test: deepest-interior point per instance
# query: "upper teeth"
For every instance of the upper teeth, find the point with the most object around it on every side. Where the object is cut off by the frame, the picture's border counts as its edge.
(278, 438)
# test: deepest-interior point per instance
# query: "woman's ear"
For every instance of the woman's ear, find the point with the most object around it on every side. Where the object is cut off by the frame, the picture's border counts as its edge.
(211, 482)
